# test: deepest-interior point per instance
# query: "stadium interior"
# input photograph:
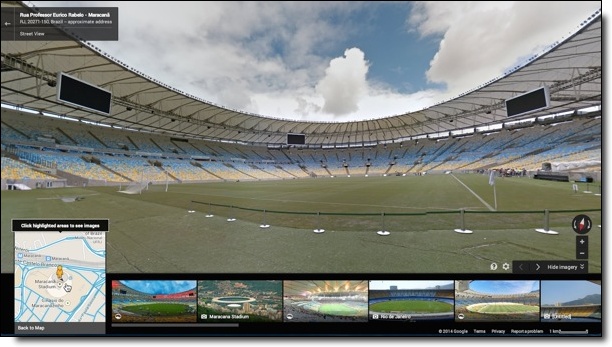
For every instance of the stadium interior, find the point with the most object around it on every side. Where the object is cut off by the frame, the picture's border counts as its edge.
(198, 191)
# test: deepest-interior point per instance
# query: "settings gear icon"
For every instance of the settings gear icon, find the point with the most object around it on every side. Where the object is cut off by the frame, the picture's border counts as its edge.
(506, 266)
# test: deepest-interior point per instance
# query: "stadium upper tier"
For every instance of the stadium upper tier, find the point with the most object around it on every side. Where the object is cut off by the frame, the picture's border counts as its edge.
(105, 154)
(441, 293)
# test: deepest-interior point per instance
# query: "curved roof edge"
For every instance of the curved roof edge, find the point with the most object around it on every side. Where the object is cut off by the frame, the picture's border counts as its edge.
(571, 69)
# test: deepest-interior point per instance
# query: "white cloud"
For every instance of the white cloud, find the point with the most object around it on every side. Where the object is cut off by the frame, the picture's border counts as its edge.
(282, 59)
(344, 84)
(260, 57)
(344, 94)
(481, 40)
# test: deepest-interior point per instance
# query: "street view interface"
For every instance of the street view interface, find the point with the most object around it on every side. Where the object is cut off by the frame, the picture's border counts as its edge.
(130, 208)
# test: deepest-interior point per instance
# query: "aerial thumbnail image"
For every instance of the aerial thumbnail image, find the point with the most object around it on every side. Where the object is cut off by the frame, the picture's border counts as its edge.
(240, 301)
(154, 301)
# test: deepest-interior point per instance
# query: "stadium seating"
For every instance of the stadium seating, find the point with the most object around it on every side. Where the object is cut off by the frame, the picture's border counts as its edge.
(127, 155)
(12, 169)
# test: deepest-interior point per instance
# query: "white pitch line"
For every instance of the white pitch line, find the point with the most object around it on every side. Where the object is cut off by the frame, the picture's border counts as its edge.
(476, 195)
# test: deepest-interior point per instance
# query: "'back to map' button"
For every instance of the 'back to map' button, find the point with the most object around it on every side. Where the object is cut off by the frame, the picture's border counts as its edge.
(48, 328)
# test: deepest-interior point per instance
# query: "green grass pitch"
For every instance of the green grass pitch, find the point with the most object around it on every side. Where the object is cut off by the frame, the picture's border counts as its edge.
(411, 306)
(504, 309)
(339, 310)
(152, 232)
(158, 309)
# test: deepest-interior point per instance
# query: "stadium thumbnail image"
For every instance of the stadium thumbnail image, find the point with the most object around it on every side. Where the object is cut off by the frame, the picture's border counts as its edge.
(240, 301)
(497, 300)
(153, 301)
(325, 301)
(571, 301)
(411, 300)
(197, 186)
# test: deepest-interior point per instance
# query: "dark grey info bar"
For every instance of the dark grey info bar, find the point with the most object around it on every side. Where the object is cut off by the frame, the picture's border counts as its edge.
(67, 328)
(60, 224)
(178, 325)
(60, 23)
(550, 267)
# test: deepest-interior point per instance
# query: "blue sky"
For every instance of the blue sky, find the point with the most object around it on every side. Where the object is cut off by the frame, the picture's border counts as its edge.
(504, 287)
(398, 56)
(553, 292)
(333, 61)
(160, 287)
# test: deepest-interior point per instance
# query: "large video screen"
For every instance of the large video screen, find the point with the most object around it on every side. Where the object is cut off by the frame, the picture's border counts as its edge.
(83, 94)
(528, 102)
(195, 207)
(296, 139)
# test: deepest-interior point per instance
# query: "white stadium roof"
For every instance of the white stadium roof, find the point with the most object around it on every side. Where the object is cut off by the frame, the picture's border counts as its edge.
(571, 70)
